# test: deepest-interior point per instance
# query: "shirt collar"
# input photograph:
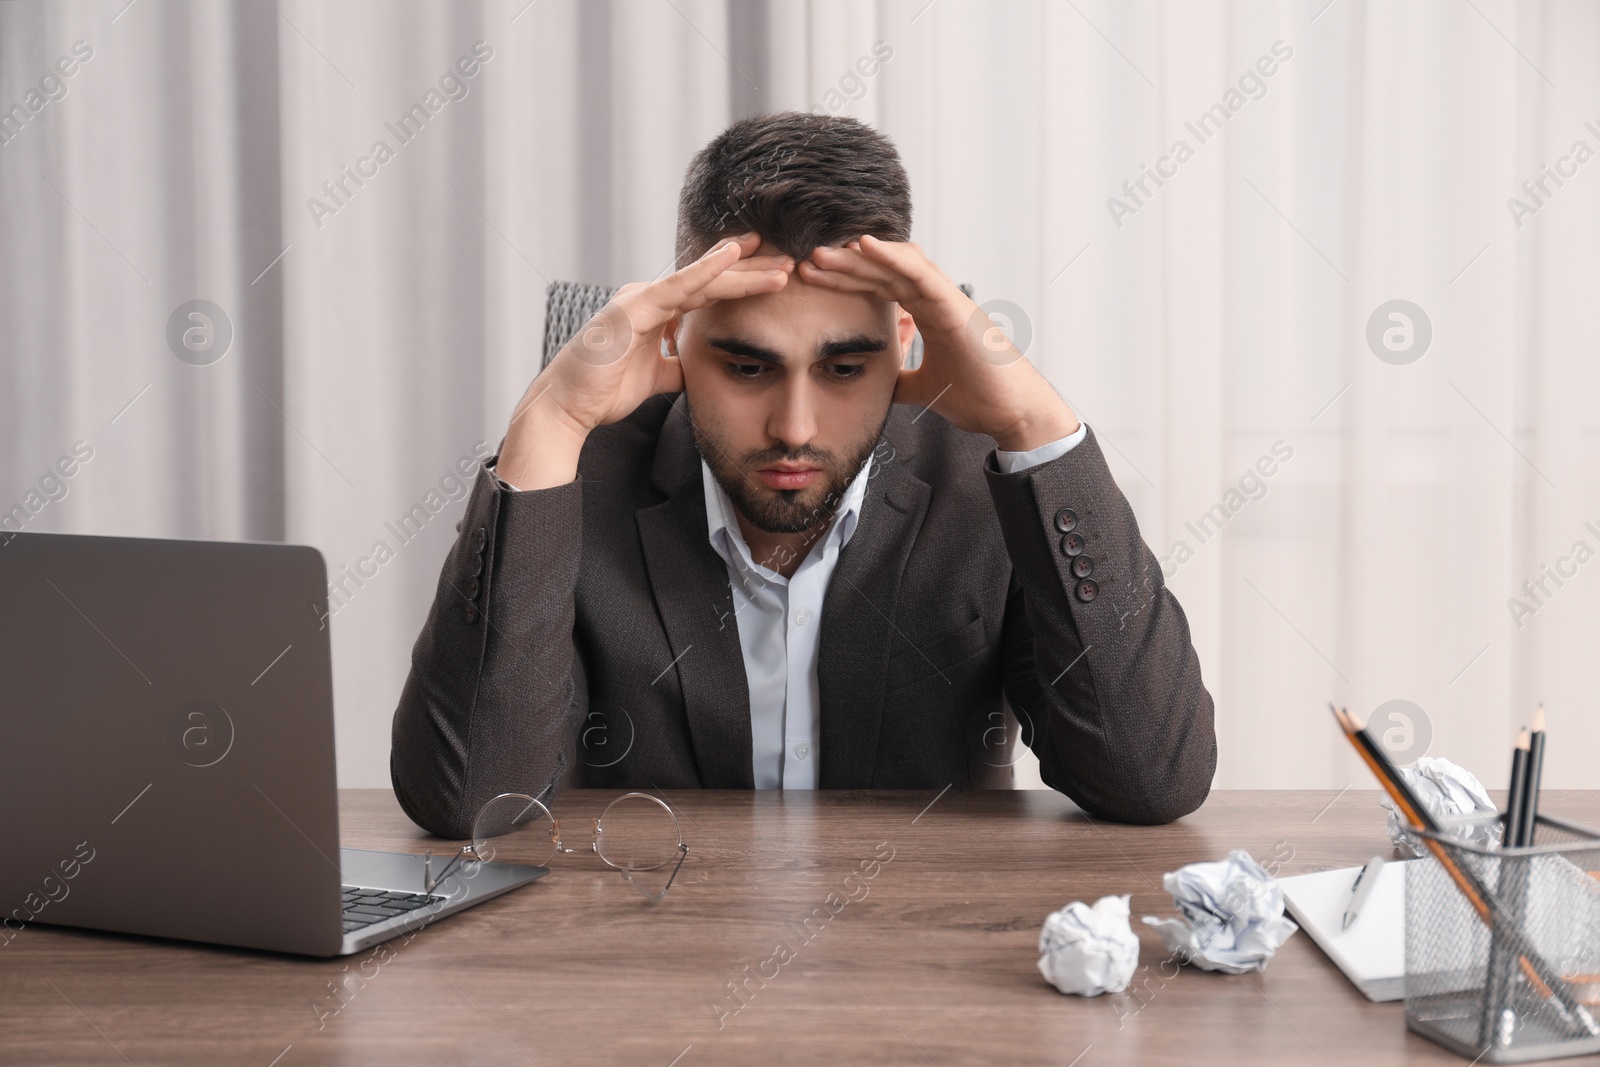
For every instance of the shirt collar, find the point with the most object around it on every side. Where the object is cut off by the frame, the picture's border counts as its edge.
(723, 529)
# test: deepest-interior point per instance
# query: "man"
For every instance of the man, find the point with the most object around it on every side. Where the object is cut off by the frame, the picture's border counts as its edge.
(772, 557)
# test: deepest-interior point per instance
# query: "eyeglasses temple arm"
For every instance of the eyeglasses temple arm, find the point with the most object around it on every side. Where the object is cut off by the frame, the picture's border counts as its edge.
(655, 898)
(430, 883)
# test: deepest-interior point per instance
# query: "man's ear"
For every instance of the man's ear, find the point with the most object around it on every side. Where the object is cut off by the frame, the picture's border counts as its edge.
(669, 335)
(907, 327)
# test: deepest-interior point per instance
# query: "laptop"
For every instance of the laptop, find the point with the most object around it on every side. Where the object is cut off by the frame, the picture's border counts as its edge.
(167, 762)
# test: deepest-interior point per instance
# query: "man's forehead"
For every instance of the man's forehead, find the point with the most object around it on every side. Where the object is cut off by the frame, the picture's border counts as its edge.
(800, 302)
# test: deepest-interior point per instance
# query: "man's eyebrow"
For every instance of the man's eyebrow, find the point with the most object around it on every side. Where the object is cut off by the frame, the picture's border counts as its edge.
(855, 344)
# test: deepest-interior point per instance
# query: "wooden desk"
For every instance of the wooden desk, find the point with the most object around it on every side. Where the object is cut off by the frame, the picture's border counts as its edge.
(931, 963)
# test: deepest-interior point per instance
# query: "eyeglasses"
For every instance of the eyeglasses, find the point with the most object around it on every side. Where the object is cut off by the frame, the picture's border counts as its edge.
(636, 832)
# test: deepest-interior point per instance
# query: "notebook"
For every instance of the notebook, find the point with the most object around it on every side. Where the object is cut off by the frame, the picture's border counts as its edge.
(1372, 953)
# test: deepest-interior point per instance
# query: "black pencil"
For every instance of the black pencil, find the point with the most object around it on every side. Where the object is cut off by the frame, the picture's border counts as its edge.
(1530, 791)
(1511, 835)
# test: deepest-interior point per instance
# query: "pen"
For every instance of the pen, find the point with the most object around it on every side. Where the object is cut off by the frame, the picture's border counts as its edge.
(1530, 792)
(1361, 889)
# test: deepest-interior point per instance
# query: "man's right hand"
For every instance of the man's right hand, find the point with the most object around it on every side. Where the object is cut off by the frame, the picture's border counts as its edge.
(615, 363)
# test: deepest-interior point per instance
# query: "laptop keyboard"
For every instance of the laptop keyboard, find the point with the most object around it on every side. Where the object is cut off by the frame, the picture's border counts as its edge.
(363, 907)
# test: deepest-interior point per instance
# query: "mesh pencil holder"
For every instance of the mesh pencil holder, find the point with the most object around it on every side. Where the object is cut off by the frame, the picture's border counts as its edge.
(1503, 944)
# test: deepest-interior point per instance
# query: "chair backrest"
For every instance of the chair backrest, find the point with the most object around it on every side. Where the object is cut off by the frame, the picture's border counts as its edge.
(568, 305)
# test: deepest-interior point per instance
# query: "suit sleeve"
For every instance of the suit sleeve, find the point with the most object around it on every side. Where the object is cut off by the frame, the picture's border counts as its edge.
(496, 690)
(1099, 658)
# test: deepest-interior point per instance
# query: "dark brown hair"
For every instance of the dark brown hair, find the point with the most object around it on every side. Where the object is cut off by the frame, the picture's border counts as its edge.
(799, 180)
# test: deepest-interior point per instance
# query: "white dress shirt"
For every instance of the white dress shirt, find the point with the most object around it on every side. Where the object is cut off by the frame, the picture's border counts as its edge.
(780, 622)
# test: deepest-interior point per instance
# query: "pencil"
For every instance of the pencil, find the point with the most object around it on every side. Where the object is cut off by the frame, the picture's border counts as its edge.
(1530, 792)
(1419, 812)
(1516, 796)
(1415, 812)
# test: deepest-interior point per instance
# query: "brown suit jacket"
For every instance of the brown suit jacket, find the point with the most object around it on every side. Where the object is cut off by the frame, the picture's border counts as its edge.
(584, 635)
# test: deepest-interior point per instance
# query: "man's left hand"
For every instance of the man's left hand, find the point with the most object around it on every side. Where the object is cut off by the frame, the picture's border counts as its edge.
(971, 373)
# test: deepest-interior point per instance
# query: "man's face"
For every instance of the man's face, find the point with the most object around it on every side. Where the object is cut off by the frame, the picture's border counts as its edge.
(788, 393)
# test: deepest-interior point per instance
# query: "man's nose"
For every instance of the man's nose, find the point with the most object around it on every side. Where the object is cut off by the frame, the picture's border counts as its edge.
(793, 420)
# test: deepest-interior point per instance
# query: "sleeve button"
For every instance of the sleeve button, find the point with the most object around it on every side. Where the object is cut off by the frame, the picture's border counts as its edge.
(1082, 566)
(480, 539)
(472, 613)
(1066, 520)
(1087, 590)
(1072, 545)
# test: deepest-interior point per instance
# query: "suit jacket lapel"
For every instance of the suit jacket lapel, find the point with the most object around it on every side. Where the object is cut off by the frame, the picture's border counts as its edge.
(857, 613)
(693, 594)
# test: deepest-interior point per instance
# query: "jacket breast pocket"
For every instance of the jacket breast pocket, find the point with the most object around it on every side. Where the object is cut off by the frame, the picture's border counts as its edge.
(934, 659)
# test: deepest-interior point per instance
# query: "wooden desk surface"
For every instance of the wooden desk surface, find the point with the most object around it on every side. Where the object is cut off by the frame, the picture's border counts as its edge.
(934, 964)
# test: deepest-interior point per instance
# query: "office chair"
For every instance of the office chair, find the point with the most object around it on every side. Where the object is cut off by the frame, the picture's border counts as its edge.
(568, 305)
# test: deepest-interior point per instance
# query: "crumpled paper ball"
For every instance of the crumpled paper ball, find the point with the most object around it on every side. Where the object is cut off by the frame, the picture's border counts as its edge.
(1234, 913)
(1089, 951)
(1448, 791)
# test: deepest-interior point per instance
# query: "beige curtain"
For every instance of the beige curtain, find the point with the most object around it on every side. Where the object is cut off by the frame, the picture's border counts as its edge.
(1342, 518)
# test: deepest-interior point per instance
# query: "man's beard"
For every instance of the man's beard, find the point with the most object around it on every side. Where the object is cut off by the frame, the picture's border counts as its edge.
(785, 511)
